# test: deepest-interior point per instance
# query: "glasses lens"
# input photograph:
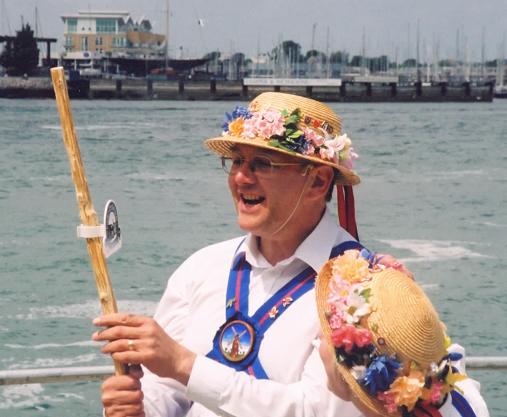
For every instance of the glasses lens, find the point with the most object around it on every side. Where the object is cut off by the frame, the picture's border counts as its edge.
(261, 165)
(231, 164)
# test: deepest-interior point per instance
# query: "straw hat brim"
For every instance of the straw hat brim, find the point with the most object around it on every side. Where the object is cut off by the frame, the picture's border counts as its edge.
(224, 146)
(402, 316)
(357, 391)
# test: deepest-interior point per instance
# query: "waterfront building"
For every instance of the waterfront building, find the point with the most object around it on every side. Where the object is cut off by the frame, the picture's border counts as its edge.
(110, 33)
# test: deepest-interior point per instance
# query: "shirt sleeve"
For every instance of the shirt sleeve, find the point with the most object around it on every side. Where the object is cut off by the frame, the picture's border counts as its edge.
(231, 393)
(470, 395)
(165, 397)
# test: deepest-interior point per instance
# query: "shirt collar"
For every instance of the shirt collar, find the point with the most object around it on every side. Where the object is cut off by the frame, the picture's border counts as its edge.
(313, 251)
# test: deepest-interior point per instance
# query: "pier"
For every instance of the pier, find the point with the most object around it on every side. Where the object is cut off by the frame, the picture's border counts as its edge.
(184, 89)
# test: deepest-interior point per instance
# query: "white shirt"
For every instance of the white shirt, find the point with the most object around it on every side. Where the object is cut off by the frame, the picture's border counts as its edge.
(193, 308)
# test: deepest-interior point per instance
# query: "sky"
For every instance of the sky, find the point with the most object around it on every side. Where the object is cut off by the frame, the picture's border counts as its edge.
(468, 28)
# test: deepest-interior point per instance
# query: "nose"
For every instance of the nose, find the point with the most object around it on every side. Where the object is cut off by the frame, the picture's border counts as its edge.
(244, 173)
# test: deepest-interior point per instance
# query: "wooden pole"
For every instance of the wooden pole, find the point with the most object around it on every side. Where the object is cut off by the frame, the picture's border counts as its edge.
(87, 213)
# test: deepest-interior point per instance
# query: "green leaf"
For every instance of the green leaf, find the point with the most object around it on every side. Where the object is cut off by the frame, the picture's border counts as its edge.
(366, 293)
(295, 134)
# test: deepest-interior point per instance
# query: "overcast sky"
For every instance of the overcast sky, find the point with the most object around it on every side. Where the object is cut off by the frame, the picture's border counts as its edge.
(388, 26)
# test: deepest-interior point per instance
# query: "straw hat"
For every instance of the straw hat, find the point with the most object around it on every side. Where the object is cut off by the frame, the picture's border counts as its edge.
(397, 329)
(292, 125)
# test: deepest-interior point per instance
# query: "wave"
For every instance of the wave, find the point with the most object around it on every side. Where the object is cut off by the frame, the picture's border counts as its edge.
(87, 310)
(492, 224)
(146, 176)
(32, 396)
(84, 343)
(433, 250)
(56, 362)
(104, 126)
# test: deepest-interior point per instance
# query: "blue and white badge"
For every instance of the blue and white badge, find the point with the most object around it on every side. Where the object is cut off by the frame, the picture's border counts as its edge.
(236, 340)
(112, 237)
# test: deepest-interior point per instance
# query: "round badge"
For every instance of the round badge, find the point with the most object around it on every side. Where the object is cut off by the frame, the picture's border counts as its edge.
(236, 340)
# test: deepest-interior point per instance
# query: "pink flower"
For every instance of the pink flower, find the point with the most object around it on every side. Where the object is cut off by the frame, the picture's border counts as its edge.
(249, 129)
(336, 320)
(310, 150)
(436, 392)
(327, 153)
(264, 124)
(348, 336)
(313, 137)
(362, 337)
(389, 401)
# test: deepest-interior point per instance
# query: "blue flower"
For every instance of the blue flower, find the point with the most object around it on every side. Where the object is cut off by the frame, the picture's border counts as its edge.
(298, 144)
(239, 111)
(381, 373)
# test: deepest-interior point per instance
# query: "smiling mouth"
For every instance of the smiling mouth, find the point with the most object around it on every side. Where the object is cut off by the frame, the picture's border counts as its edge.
(251, 200)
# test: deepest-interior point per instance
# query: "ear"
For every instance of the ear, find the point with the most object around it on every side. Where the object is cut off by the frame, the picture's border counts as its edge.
(322, 178)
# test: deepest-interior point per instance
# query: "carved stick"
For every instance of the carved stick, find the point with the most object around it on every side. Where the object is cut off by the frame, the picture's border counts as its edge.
(87, 213)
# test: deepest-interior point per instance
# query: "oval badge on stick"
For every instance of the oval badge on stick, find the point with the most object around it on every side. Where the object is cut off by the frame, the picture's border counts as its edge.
(112, 238)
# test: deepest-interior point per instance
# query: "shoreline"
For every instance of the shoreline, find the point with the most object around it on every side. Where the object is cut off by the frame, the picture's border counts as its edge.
(142, 89)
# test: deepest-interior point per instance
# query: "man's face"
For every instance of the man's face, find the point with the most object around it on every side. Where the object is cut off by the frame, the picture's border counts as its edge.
(265, 201)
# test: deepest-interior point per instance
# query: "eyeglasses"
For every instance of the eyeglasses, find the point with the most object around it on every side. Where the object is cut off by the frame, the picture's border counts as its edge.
(261, 165)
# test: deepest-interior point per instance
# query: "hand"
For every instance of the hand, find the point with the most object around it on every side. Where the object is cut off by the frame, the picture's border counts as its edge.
(391, 262)
(141, 340)
(335, 382)
(122, 395)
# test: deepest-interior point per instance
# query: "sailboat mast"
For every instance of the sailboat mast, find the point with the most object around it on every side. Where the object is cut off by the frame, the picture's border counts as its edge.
(166, 49)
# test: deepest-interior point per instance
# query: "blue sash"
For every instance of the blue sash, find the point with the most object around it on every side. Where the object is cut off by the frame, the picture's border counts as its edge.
(237, 341)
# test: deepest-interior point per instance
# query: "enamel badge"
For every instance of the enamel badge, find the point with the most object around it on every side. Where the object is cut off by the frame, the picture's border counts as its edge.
(236, 340)
(112, 238)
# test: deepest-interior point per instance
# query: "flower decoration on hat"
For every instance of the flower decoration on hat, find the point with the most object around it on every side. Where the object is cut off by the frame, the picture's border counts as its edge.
(398, 384)
(292, 132)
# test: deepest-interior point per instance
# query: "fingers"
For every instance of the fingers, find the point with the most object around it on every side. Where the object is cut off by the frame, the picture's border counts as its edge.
(119, 332)
(121, 383)
(122, 396)
(125, 411)
(335, 381)
(391, 262)
(119, 319)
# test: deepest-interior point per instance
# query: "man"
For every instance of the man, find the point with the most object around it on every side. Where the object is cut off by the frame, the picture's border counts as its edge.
(283, 156)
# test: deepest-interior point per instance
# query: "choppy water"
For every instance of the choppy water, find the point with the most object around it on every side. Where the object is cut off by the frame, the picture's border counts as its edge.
(434, 194)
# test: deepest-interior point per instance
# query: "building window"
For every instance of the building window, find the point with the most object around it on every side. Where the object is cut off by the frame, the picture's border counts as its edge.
(71, 25)
(119, 42)
(98, 40)
(68, 41)
(84, 43)
(106, 25)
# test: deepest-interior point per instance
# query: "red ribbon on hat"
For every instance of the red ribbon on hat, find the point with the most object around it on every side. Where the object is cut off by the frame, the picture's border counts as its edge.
(346, 209)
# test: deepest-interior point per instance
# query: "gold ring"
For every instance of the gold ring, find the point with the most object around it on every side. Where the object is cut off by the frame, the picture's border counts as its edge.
(130, 344)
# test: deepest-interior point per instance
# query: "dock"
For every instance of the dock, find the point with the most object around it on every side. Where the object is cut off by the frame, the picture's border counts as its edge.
(245, 90)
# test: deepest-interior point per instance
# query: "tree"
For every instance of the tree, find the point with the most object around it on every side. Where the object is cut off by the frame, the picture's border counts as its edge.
(22, 56)
(319, 56)
(289, 49)
(339, 57)
(409, 63)
(356, 61)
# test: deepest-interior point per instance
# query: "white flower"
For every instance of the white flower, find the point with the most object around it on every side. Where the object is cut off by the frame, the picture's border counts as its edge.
(358, 371)
(357, 306)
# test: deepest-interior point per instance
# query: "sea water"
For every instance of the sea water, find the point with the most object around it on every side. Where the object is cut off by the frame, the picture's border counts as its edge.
(433, 193)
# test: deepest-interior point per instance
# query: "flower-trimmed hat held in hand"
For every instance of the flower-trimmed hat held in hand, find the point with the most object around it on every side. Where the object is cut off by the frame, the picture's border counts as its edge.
(389, 344)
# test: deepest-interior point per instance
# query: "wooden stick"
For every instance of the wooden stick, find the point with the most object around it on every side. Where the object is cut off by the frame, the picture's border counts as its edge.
(87, 213)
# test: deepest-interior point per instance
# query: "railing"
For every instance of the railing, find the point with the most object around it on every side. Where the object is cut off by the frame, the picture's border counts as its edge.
(97, 373)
